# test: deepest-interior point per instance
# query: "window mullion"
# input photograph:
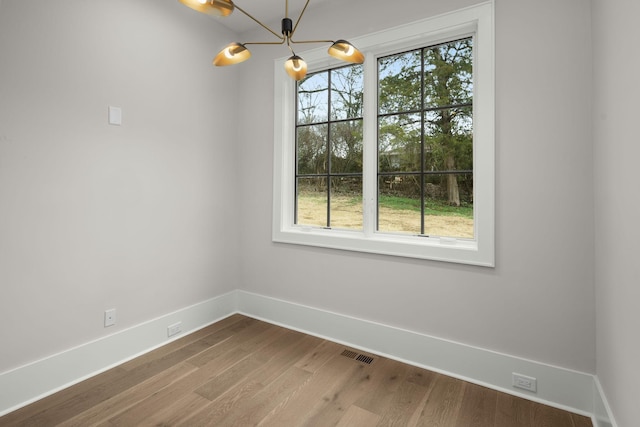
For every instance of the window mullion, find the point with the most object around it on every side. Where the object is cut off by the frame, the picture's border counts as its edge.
(370, 145)
(422, 145)
(329, 149)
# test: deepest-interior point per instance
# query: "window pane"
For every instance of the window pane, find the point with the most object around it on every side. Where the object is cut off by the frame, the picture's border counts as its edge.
(346, 202)
(448, 139)
(442, 216)
(448, 74)
(399, 83)
(399, 143)
(346, 92)
(346, 147)
(399, 204)
(313, 99)
(311, 202)
(312, 149)
(444, 130)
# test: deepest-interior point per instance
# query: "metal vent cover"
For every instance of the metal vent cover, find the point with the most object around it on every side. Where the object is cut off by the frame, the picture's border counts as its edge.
(359, 357)
(364, 359)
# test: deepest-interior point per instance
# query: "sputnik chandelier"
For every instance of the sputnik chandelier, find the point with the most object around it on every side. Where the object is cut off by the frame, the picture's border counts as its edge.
(235, 52)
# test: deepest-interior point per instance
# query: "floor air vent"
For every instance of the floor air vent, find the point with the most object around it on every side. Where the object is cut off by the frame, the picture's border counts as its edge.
(359, 357)
(350, 354)
(364, 359)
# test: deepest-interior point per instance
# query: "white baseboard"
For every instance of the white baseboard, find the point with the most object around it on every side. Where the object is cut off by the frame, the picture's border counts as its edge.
(602, 415)
(559, 387)
(31, 382)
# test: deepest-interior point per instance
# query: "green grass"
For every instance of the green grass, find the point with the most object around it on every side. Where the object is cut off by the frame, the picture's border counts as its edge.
(432, 207)
(400, 203)
(353, 201)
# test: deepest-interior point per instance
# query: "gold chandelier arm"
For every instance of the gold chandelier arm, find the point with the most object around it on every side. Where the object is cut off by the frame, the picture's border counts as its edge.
(311, 41)
(299, 17)
(260, 23)
(280, 42)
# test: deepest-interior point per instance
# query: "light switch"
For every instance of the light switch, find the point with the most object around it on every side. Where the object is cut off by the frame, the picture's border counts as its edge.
(115, 116)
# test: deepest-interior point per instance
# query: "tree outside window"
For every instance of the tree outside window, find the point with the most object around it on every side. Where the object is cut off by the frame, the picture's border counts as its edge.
(329, 149)
(425, 141)
(425, 144)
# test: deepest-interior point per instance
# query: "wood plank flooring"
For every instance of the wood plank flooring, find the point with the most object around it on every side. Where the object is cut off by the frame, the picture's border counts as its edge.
(244, 372)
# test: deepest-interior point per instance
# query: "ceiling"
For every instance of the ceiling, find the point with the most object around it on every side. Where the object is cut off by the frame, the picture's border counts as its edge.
(266, 11)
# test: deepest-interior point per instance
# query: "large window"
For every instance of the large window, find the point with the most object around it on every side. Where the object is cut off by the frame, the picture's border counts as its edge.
(394, 156)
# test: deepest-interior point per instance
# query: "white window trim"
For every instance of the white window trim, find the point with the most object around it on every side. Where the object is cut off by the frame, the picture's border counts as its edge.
(476, 21)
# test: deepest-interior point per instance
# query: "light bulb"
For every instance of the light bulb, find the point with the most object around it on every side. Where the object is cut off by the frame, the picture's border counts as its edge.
(203, 1)
(233, 53)
(349, 50)
(296, 67)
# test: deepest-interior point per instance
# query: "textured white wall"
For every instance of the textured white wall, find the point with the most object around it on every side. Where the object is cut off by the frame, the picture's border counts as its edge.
(139, 217)
(539, 301)
(617, 208)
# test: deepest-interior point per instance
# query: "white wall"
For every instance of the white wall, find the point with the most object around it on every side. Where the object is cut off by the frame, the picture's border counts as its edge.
(142, 217)
(139, 217)
(617, 207)
(539, 301)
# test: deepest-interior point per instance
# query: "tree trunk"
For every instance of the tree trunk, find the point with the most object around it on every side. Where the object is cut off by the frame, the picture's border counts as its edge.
(452, 183)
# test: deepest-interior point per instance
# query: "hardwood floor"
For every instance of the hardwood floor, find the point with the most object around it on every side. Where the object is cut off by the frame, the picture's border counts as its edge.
(244, 372)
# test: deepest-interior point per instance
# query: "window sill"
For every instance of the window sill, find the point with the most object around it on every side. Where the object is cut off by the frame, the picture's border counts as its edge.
(462, 251)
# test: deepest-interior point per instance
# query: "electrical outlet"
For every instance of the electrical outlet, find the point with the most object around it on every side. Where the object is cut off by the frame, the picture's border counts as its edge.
(110, 317)
(174, 329)
(524, 382)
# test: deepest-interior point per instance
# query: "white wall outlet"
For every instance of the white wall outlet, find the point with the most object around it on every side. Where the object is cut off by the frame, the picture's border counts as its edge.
(174, 329)
(524, 382)
(110, 317)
